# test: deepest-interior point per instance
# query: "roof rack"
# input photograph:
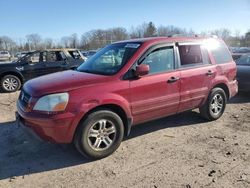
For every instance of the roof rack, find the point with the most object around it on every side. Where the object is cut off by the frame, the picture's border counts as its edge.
(183, 35)
(195, 35)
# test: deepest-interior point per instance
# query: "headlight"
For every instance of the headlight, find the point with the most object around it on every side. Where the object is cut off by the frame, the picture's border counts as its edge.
(52, 103)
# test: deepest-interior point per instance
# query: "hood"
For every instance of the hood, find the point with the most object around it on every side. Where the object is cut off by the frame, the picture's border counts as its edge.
(10, 64)
(61, 82)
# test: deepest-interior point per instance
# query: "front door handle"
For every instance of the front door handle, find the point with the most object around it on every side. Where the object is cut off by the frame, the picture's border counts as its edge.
(173, 79)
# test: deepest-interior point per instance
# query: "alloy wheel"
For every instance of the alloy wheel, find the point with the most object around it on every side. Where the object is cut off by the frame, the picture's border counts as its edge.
(10, 84)
(101, 135)
(216, 105)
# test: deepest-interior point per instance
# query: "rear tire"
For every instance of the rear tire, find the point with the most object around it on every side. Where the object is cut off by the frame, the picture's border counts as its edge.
(215, 105)
(10, 83)
(99, 135)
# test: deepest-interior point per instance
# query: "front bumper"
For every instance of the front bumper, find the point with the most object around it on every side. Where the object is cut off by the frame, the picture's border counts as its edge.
(30, 132)
(57, 128)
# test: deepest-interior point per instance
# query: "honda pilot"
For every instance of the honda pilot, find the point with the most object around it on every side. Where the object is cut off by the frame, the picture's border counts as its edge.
(127, 83)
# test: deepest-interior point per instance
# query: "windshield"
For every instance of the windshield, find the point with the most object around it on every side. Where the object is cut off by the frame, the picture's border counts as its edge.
(110, 59)
(24, 57)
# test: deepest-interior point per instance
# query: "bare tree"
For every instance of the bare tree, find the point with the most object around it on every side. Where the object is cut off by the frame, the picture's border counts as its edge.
(6, 43)
(247, 38)
(150, 31)
(118, 34)
(33, 41)
(48, 43)
(171, 30)
(221, 33)
(66, 42)
(139, 31)
(74, 41)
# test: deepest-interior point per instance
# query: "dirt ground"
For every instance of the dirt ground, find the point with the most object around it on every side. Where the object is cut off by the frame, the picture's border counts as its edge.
(178, 151)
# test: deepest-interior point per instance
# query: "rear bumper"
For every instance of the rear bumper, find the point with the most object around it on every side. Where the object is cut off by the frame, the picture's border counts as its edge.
(233, 88)
(51, 128)
(4, 58)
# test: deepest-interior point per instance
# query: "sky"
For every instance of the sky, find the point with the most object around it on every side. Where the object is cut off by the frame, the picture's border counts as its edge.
(58, 18)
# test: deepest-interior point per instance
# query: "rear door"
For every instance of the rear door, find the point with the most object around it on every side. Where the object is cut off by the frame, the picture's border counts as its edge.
(75, 58)
(156, 94)
(55, 61)
(196, 73)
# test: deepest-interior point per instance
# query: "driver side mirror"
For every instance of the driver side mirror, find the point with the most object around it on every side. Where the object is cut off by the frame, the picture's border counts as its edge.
(142, 70)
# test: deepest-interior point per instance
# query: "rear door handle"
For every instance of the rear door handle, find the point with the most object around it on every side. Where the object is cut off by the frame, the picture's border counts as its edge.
(173, 79)
(209, 73)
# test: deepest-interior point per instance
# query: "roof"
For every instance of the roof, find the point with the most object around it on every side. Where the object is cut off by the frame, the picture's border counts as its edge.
(166, 39)
(61, 49)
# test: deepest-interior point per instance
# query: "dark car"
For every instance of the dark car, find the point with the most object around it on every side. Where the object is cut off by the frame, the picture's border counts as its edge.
(37, 63)
(89, 53)
(243, 72)
(237, 53)
(125, 84)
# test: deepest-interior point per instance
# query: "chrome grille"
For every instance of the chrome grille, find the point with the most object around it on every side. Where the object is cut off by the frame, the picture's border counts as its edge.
(24, 98)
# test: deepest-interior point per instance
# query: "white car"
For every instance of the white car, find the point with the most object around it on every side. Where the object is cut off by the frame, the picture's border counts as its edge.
(5, 55)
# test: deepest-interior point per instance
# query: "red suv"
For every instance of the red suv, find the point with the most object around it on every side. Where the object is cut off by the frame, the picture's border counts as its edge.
(127, 83)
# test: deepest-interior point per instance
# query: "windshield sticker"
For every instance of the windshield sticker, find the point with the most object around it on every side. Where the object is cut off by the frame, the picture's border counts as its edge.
(131, 45)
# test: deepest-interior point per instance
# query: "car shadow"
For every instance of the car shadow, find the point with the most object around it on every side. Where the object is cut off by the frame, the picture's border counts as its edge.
(241, 97)
(21, 155)
(178, 120)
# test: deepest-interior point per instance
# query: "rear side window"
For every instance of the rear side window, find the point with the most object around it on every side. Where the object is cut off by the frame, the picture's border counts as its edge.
(221, 53)
(190, 55)
(75, 54)
(54, 56)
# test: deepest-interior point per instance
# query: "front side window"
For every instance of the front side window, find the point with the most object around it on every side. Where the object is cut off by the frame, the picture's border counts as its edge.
(33, 58)
(190, 55)
(160, 60)
(110, 59)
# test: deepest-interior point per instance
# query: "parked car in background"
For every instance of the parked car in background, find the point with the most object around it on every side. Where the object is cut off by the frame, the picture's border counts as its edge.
(5, 56)
(243, 72)
(21, 54)
(76, 54)
(37, 63)
(89, 53)
(238, 52)
(127, 83)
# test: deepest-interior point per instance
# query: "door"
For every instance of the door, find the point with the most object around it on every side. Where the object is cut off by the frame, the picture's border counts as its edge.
(56, 61)
(156, 94)
(33, 66)
(75, 58)
(197, 74)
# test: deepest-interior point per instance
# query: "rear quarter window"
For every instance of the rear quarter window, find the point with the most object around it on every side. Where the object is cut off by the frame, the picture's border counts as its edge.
(221, 54)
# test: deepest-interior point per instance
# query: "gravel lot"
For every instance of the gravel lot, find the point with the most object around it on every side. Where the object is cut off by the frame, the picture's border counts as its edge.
(177, 151)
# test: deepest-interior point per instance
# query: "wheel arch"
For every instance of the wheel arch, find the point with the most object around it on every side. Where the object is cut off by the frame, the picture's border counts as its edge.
(127, 121)
(13, 73)
(224, 87)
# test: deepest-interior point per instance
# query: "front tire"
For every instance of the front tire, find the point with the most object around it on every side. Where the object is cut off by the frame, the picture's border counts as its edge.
(10, 83)
(99, 135)
(215, 105)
